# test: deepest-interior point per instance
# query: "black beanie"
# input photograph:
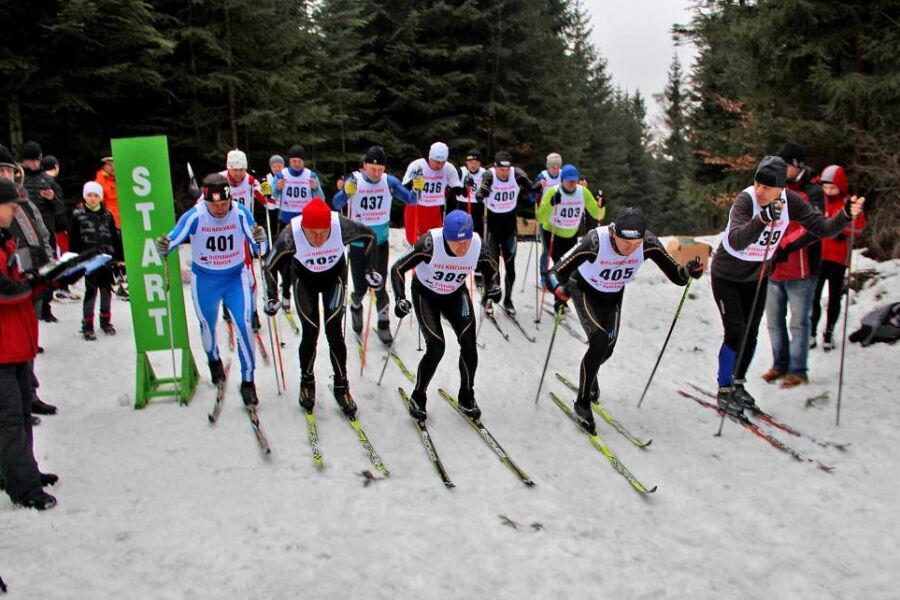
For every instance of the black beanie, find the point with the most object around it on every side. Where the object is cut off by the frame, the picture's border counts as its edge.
(49, 162)
(8, 191)
(296, 151)
(6, 158)
(772, 171)
(473, 154)
(630, 224)
(503, 159)
(31, 151)
(793, 154)
(376, 156)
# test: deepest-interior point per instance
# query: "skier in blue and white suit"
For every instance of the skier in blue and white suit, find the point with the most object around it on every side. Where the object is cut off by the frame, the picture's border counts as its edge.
(218, 229)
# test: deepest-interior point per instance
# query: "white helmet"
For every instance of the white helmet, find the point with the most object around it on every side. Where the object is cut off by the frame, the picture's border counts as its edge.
(236, 160)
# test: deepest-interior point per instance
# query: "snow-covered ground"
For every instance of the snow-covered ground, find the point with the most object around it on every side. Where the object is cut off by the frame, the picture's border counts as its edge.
(158, 504)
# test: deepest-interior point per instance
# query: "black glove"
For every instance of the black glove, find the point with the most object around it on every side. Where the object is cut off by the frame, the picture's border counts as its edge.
(374, 279)
(770, 212)
(468, 182)
(694, 268)
(492, 294)
(402, 307)
(779, 256)
(271, 307)
(556, 198)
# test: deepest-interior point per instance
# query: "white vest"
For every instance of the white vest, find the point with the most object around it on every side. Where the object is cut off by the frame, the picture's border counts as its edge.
(567, 214)
(218, 244)
(371, 204)
(241, 193)
(504, 194)
(325, 256)
(477, 176)
(757, 251)
(435, 187)
(444, 274)
(550, 181)
(610, 271)
(296, 193)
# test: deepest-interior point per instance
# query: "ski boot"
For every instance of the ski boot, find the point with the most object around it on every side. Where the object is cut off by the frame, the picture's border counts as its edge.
(384, 333)
(106, 325)
(585, 417)
(87, 330)
(254, 322)
(356, 317)
(307, 393)
(122, 293)
(343, 397)
(728, 403)
(39, 500)
(827, 341)
(216, 371)
(742, 396)
(509, 307)
(39, 407)
(417, 405)
(467, 403)
(594, 394)
(248, 393)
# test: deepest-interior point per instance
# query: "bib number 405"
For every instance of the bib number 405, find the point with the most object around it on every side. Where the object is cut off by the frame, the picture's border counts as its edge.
(616, 274)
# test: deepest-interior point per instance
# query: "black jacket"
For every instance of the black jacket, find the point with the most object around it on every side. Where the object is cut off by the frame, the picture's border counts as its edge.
(89, 229)
(53, 212)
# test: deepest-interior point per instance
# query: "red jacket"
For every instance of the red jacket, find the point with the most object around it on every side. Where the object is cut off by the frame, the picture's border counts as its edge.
(835, 249)
(803, 258)
(18, 323)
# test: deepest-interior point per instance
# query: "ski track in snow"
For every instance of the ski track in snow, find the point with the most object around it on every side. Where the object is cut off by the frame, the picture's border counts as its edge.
(158, 504)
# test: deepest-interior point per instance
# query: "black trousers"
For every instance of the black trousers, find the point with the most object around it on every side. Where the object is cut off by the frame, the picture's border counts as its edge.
(358, 274)
(458, 310)
(599, 314)
(832, 273)
(100, 282)
(734, 300)
(18, 466)
(332, 288)
(502, 241)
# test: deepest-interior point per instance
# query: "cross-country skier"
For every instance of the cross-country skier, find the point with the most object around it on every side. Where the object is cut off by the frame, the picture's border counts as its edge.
(295, 187)
(434, 180)
(217, 229)
(757, 220)
(561, 209)
(595, 273)
(471, 175)
(443, 258)
(369, 193)
(500, 188)
(313, 247)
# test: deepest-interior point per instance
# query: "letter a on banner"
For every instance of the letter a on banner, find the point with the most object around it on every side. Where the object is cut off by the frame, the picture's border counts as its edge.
(147, 210)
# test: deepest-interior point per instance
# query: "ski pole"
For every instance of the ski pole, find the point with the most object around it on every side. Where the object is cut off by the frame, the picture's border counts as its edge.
(665, 343)
(365, 346)
(547, 267)
(527, 265)
(278, 344)
(390, 351)
(549, 350)
(171, 327)
(837, 420)
(740, 355)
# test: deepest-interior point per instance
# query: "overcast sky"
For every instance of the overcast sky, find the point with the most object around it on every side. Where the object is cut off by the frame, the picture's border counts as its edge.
(635, 39)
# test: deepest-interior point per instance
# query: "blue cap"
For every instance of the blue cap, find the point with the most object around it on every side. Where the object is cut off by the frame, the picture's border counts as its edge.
(458, 226)
(569, 173)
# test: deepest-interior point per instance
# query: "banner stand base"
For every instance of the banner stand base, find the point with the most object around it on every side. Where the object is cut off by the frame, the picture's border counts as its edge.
(148, 385)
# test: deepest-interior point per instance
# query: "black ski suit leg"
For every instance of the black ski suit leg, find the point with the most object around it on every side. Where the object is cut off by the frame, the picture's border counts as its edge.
(460, 314)
(306, 299)
(382, 302)
(428, 313)
(510, 243)
(599, 317)
(335, 303)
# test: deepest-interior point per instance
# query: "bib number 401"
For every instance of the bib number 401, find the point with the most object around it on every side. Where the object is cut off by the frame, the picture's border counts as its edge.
(221, 243)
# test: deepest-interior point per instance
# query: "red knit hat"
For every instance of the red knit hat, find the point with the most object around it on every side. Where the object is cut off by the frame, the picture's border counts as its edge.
(835, 174)
(316, 215)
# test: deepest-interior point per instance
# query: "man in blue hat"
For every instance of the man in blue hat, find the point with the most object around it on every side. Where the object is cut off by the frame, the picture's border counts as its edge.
(443, 258)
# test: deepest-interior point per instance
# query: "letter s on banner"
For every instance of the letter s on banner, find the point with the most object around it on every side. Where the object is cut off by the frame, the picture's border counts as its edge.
(141, 178)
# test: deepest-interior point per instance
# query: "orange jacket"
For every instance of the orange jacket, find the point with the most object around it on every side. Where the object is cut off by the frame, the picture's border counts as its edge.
(110, 196)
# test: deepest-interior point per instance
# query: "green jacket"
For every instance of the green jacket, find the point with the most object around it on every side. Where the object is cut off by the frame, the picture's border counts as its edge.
(546, 211)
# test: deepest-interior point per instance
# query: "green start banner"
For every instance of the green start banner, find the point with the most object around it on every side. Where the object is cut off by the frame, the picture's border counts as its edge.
(147, 211)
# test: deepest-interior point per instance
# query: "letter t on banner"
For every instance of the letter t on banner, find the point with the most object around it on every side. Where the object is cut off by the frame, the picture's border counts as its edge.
(147, 210)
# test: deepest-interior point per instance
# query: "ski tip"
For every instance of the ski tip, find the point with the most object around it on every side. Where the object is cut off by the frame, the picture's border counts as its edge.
(449, 485)
(651, 490)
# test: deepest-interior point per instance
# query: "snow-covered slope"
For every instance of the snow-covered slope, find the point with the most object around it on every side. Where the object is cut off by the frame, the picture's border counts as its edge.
(158, 504)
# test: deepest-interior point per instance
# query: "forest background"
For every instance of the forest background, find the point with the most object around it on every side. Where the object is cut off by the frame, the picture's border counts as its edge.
(520, 75)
